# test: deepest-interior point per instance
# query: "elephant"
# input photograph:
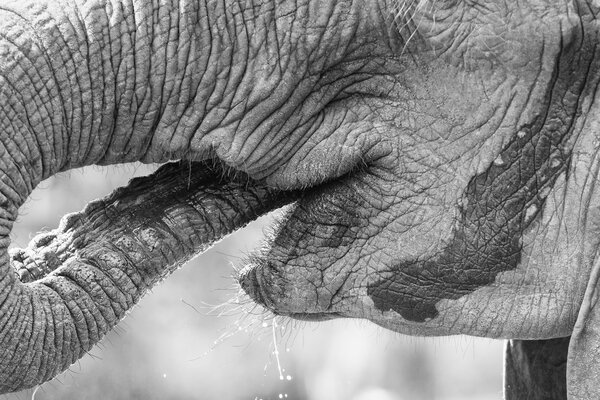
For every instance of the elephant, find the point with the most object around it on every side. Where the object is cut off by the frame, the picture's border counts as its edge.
(438, 158)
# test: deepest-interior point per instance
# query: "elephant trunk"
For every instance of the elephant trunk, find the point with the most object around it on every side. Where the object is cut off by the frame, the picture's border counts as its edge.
(106, 82)
(72, 285)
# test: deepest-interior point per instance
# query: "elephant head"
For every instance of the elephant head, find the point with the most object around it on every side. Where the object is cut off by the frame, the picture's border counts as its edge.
(441, 156)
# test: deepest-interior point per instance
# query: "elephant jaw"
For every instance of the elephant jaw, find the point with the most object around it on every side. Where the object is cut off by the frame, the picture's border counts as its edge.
(334, 255)
(290, 281)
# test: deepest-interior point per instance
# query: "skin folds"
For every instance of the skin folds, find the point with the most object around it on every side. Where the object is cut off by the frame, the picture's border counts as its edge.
(441, 155)
(455, 219)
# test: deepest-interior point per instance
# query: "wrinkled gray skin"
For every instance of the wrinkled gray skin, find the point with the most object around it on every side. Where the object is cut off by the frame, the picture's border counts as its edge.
(445, 154)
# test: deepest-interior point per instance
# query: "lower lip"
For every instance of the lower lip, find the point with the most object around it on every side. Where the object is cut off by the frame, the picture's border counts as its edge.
(314, 317)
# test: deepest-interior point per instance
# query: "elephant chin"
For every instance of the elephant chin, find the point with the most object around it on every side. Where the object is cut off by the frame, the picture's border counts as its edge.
(258, 292)
(295, 273)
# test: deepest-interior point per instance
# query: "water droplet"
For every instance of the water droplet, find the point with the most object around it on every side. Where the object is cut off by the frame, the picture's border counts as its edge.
(264, 324)
(287, 350)
(289, 377)
(164, 375)
(280, 396)
(276, 352)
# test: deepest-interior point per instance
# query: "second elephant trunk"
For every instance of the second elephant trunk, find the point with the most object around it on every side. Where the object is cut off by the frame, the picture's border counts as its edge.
(64, 292)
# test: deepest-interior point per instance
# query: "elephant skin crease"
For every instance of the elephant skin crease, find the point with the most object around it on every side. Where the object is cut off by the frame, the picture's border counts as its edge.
(107, 256)
(447, 154)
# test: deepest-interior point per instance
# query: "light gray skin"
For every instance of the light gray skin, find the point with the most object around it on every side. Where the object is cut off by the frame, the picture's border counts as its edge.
(445, 154)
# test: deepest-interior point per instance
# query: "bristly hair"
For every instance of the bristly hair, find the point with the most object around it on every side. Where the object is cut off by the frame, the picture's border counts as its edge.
(407, 17)
(424, 18)
(250, 317)
(254, 320)
(405, 9)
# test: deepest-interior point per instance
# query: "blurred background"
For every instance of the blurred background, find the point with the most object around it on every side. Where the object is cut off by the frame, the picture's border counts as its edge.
(176, 345)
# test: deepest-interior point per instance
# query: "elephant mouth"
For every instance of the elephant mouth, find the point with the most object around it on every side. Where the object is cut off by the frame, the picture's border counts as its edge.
(249, 281)
(252, 283)
(284, 276)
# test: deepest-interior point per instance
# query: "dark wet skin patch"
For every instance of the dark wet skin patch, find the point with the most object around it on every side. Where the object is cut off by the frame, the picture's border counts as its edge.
(499, 204)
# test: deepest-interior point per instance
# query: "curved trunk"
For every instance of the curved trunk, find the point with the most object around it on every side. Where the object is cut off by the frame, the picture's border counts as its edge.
(113, 81)
(84, 276)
